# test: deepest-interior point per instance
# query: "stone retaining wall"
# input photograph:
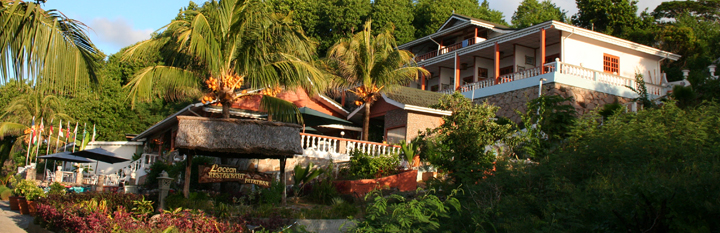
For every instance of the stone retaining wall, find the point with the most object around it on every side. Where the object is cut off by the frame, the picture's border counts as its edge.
(584, 100)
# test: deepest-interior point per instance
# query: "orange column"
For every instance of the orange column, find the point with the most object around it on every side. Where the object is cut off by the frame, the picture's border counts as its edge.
(542, 50)
(457, 71)
(497, 62)
(422, 80)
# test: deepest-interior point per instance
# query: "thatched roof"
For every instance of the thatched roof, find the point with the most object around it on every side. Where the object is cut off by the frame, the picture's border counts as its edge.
(236, 138)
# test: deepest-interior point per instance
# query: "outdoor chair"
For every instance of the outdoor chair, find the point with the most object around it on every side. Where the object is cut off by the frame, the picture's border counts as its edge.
(49, 176)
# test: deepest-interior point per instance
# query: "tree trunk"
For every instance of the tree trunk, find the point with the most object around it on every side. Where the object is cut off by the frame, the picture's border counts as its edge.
(225, 109)
(188, 169)
(366, 122)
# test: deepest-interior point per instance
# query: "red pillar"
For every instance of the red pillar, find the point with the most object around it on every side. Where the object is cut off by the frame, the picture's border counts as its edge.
(497, 62)
(542, 50)
(422, 80)
(457, 71)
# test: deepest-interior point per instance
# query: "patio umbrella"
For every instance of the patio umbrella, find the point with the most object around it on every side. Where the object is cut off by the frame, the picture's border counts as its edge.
(100, 154)
(67, 157)
(313, 117)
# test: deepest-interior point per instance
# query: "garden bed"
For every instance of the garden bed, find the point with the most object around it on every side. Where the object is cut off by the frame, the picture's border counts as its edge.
(404, 181)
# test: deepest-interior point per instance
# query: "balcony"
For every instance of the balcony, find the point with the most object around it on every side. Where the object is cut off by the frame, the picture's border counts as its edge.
(449, 48)
(557, 67)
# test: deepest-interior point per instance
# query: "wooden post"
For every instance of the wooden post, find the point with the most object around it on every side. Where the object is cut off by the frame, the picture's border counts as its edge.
(422, 80)
(457, 71)
(542, 50)
(497, 63)
(188, 166)
(284, 181)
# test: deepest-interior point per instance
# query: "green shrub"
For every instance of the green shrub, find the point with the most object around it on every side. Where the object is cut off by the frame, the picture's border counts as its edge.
(28, 189)
(651, 171)
(364, 166)
(273, 194)
(57, 188)
(5, 193)
(398, 214)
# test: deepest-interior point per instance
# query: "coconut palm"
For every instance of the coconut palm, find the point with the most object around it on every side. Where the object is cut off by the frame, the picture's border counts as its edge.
(44, 48)
(233, 47)
(369, 65)
(16, 119)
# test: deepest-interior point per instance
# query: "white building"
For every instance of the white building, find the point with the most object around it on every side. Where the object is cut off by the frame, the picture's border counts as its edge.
(483, 60)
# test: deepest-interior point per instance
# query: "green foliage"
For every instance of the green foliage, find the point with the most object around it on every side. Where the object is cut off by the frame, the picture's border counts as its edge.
(610, 109)
(651, 171)
(431, 14)
(302, 176)
(142, 206)
(398, 214)
(323, 191)
(614, 17)
(28, 189)
(531, 12)
(56, 188)
(365, 166)
(459, 145)
(408, 151)
(196, 201)
(556, 115)
(273, 194)
(642, 92)
(396, 15)
(5, 193)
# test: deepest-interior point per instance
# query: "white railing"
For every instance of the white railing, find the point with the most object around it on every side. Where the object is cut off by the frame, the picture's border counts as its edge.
(447, 91)
(563, 68)
(340, 148)
(520, 75)
(477, 85)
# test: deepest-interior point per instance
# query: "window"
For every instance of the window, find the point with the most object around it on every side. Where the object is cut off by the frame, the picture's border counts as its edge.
(482, 73)
(466, 80)
(506, 70)
(395, 135)
(611, 64)
(434, 88)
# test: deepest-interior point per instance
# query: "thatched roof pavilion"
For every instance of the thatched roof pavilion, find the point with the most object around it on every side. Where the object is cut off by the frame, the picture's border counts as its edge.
(237, 138)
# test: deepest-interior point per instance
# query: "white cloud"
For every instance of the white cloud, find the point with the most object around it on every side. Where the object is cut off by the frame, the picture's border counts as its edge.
(118, 32)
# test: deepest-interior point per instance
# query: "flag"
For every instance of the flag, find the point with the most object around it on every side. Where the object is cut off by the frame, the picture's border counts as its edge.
(75, 136)
(60, 134)
(82, 143)
(47, 150)
(32, 138)
(93, 137)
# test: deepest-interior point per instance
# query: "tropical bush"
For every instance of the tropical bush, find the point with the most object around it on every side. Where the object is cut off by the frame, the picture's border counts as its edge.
(651, 171)
(97, 212)
(365, 166)
(5, 193)
(57, 188)
(28, 189)
(398, 214)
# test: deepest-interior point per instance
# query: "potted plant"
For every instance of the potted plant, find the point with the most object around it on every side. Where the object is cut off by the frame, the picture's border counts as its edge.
(27, 190)
(14, 204)
(31, 196)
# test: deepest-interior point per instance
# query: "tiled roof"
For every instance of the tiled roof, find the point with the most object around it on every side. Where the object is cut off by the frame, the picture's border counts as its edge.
(413, 96)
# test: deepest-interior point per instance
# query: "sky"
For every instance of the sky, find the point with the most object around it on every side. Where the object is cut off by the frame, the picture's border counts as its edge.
(116, 24)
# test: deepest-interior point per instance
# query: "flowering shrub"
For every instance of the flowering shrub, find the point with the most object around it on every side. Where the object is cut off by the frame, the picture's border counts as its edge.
(100, 212)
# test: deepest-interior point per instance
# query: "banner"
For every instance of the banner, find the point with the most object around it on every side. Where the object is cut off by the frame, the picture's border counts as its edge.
(226, 173)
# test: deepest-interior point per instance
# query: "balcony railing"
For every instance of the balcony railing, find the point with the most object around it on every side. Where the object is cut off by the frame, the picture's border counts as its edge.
(449, 48)
(340, 148)
(563, 68)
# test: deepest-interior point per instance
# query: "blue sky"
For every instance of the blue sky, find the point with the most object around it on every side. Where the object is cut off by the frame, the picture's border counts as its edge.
(116, 24)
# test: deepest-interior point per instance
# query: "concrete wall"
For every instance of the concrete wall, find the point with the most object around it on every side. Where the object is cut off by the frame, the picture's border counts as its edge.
(417, 121)
(584, 100)
(586, 52)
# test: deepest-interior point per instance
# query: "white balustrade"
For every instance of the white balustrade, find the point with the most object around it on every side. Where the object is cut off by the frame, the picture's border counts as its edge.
(330, 147)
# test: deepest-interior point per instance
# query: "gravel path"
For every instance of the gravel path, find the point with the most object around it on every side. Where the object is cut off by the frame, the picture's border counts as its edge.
(11, 221)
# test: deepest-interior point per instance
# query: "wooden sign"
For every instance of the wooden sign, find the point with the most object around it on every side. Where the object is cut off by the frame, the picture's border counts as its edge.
(226, 173)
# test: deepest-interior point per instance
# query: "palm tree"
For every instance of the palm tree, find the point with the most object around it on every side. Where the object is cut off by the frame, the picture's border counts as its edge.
(17, 117)
(369, 65)
(44, 48)
(233, 47)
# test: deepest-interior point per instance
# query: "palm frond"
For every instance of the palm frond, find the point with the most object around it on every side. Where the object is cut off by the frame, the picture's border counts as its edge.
(45, 48)
(281, 110)
(168, 81)
(11, 128)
